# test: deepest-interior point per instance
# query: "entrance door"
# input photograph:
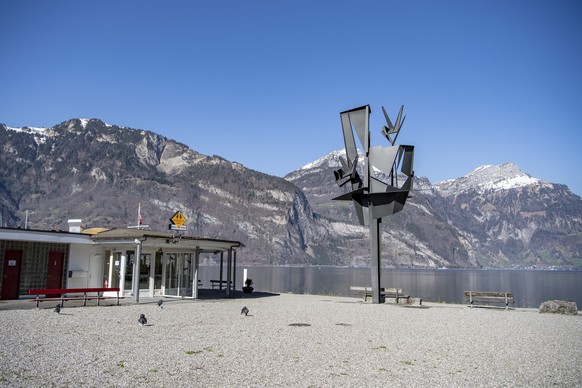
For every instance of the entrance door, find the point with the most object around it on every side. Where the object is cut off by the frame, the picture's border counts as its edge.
(112, 268)
(179, 275)
(130, 255)
(11, 274)
(54, 272)
(171, 281)
(144, 271)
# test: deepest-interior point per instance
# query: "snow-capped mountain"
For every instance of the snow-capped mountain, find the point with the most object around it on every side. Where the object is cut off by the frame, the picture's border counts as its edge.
(415, 237)
(331, 160)
(513, 217)
(495, 216)
(491, 178)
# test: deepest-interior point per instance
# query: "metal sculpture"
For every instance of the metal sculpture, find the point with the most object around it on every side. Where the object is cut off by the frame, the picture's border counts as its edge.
(386, 178)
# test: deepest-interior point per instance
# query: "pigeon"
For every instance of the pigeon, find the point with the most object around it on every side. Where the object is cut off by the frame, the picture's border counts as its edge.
(142, 320)
(161, 304)
(245, 311)
(58, 309)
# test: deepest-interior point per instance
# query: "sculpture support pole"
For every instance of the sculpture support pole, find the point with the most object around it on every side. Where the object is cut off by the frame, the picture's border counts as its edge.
(375, 255)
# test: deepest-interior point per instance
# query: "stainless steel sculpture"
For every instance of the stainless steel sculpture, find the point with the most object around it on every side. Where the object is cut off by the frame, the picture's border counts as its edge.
(386, 180)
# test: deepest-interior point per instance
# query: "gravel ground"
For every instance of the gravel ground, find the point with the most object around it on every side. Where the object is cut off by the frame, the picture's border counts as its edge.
(288, 340)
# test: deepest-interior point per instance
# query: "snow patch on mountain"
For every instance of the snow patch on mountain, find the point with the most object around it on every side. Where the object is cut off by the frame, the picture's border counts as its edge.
(33, 130)
(510, 183)
(85, 121)
(39, 133)
(329, 160)
(490, 178)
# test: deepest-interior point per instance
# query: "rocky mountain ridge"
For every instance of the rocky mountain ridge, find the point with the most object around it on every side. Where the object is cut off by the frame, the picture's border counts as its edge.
(98, 172)
(494, 217)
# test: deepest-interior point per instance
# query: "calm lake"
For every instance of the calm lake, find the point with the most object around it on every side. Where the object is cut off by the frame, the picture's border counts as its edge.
(530, 288)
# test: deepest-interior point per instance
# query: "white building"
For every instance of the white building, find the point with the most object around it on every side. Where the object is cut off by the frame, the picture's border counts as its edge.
(95, 258)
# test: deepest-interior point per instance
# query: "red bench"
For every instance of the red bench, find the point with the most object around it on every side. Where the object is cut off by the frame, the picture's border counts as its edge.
(63, 294)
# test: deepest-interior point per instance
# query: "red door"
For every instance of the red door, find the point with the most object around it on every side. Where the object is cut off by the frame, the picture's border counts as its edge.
(11, 274)
(54, 272)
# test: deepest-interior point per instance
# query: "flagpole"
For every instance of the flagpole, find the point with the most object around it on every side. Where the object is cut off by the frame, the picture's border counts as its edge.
(139, 224)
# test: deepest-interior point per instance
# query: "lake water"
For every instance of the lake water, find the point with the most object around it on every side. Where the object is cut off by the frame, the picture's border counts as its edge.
(530, 288)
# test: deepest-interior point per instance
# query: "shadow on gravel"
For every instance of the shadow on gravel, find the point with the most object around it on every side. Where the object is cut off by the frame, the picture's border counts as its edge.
(411, 306)
(206, 294)
(203, 294)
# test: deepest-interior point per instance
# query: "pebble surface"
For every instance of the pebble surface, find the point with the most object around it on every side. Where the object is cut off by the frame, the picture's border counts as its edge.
(288, 341)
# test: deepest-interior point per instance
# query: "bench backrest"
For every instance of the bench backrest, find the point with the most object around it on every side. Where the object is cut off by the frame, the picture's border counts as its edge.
(71, 290)
(359, 288)
(477, 294)
(369, 289)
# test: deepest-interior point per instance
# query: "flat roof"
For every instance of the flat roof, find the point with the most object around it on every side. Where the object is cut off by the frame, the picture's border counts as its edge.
(152, 239)
(49, 236)
(122, 237)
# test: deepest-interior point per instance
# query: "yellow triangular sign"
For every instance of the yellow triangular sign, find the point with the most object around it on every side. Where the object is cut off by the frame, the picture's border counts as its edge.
(178, 219)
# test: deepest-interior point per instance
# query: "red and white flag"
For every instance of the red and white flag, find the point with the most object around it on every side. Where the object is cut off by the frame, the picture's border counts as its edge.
(139, 220)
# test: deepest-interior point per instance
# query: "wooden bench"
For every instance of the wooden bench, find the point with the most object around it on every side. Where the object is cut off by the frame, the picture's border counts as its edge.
(218, 283)
(63, 294)
(485, 298)
(393, 293)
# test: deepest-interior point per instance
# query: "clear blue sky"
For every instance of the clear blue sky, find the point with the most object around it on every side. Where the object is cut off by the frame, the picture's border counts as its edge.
(263, 82)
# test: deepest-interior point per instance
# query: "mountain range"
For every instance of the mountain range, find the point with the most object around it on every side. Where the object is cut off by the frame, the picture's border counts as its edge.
(493, 217)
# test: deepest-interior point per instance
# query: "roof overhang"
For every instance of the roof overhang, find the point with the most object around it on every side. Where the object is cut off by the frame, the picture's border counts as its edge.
(164, 241)
(123, 237)
(45, 236)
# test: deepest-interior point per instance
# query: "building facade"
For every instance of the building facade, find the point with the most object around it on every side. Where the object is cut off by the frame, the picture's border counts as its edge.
(168, 263)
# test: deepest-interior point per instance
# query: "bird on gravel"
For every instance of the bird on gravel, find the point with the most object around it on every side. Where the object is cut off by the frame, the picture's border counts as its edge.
(57, 308)
(142, 319)
(161, 304)
(245, 311)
